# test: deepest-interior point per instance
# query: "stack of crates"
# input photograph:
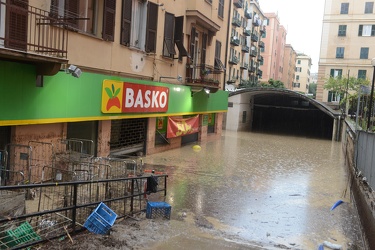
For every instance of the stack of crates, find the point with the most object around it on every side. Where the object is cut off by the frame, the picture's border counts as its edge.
(19, 236)
(101, 219)
(157, 209)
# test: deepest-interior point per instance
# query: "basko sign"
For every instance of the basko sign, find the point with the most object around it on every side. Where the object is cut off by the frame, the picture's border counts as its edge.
(124, 97)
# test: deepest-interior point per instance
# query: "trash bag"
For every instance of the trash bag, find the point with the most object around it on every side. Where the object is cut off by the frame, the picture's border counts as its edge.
(152, 184)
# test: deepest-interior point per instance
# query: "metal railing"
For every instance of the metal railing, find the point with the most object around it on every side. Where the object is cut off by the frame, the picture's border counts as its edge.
(58, 208)
(32, 30)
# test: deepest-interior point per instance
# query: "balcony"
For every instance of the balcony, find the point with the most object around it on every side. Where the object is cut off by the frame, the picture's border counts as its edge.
(251, 69)
(259, 73)
(245, 48)
(30, 35)
(246, 32)
(235, 41)
(253, 53)
(238, 3)
(263, 29)
(236, 22)
(261, 44)
(248, 14)
(244, 66)
(202, 75)
(257, 21)
(260, 58)
(234, 60)
(254, 37)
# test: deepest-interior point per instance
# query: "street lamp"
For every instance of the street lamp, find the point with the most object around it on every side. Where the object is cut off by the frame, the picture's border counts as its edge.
(372, 93)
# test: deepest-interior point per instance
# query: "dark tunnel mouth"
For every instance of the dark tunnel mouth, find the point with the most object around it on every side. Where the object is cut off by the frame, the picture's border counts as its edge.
(280, 111)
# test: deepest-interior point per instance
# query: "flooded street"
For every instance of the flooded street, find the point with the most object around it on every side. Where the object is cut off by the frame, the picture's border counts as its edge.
(261, 191)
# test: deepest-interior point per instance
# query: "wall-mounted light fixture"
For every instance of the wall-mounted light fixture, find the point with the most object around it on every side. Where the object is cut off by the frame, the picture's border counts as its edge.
(74, 70)
(178, 78)
(206, 90)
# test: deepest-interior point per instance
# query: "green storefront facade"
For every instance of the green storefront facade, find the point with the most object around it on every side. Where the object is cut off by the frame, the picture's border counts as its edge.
(47, 113)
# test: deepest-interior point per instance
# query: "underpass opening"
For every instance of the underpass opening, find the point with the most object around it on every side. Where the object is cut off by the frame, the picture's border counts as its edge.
(281, 111)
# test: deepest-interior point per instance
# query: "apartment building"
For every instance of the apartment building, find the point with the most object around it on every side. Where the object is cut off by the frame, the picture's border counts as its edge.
(347, 44)
(273, 54)
(289, 66)
(302, 75)
(130, 76)
(246, 31)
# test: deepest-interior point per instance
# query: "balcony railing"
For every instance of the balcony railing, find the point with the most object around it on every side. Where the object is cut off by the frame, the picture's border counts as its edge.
(234, 60)
(236, 22)
(28, 29)
(260, 73)
(260, 58)
(235, 41)
(248, 14)
(253, 53)
(238, 3)
(202, 75)
(261, 44)
(262, 29)
(246, 32)
(245, 48)
(254, 37)
(244, 66)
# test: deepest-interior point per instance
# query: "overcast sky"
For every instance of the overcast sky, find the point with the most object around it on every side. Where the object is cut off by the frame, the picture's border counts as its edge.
(303, 21)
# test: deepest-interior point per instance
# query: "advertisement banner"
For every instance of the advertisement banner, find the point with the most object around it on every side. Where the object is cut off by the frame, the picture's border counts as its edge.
(125, 97)
(182, 126)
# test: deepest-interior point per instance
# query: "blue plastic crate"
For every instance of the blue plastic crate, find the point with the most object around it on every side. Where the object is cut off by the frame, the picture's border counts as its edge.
(101, 219)
(157, 209)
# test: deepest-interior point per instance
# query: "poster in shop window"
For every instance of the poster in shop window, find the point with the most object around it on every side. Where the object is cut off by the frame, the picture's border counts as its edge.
(182, 126)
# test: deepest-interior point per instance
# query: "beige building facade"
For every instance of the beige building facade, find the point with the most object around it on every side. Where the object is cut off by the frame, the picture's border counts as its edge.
(246, 30)
(347, 44)
(289, 66)
(114, 72)
(302, 75)
(273, 54)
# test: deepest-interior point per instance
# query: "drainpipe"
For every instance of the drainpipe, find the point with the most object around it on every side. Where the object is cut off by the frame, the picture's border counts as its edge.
(227, 42)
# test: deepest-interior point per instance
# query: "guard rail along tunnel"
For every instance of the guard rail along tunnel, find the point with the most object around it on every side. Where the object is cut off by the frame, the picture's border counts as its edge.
(282, 111)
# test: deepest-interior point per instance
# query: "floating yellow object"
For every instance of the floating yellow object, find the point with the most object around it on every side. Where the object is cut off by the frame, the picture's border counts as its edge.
(197, 148)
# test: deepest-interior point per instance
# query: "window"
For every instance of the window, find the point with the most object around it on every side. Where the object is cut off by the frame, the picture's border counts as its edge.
(168, 44)
(342, 30)
(344, 8)
(366, 30)
(296, 84)
(298, 61)
(364, 53)
(340, 52)
(221, 9)
(369, 6)
(85, 16)
(133, 27)
(336, 73)
(173, 27)
(362, 74)
(297, 78)
(333, 96)
(218, 64)
(298, 69)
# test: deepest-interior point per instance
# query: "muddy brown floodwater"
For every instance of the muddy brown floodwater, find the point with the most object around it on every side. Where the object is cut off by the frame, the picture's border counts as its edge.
(246, 191)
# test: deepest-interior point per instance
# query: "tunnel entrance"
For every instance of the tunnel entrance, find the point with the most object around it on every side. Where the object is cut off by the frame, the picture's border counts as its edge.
(281, 111)
(289, 115)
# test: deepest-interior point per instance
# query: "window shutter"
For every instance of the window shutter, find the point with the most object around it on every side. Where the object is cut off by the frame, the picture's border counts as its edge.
(192, 43)
(373, 30)
(204, 45)
(71, 12)
(126, 22)
(109, 20)
(17, 25)
(179, 36)
(152, 23)
(54, 9)
(360, 30)
(168, 48)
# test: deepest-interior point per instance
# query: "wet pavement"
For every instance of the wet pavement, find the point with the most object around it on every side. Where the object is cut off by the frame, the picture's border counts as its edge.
(258, 191)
